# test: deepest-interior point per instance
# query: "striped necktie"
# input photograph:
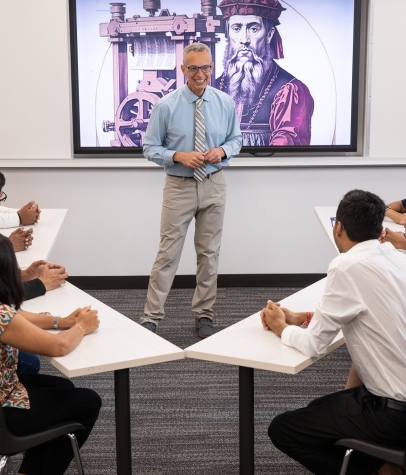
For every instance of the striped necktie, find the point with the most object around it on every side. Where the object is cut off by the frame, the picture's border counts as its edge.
(200, 140)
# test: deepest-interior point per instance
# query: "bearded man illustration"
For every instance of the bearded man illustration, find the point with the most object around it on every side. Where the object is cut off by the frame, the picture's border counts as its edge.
(273, 107)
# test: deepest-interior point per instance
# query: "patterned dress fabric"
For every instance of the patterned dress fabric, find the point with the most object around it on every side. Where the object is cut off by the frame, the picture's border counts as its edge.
(12, 392)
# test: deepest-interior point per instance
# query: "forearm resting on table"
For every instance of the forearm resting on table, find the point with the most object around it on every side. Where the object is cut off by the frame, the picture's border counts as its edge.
(41, 321)
(45, 321)
(396, 211)
(22, 334)
(300, 318)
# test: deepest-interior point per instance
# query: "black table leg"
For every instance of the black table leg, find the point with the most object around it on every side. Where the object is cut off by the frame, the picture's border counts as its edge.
(123, 421)
(246, 392)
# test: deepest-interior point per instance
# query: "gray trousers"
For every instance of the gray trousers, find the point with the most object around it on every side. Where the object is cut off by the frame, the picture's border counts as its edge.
(183, 200)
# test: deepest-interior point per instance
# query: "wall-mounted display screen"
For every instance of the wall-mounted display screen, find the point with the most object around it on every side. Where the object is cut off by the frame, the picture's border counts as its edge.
(292, 69)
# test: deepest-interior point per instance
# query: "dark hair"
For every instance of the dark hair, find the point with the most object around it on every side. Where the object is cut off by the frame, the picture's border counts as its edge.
(361, 213)
(2, 181)
(11, 287)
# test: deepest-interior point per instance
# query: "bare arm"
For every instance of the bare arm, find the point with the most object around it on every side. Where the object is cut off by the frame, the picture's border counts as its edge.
(21, 333)
(398, 240)
(396, 212)
(47, 321)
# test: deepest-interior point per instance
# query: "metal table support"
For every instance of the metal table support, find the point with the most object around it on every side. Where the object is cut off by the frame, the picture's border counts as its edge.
(246, 395)
(123, 421)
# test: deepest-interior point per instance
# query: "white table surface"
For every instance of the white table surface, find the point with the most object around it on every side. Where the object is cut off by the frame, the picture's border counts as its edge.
(119, 342)
(45, 234)
(248, 344)
(324, 213)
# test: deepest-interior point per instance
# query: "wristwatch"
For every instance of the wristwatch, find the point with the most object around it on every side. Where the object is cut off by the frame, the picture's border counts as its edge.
(56, 326)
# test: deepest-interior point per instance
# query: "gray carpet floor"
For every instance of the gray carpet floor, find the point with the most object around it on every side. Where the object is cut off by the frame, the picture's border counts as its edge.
(184, 414)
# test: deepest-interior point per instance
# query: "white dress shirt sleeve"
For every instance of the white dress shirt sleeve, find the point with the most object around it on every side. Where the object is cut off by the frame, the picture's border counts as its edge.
(8, 218)
(340, 304)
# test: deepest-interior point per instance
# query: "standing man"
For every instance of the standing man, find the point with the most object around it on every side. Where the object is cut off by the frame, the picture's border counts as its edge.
(273, 107)
(365, 298)
(193, 132)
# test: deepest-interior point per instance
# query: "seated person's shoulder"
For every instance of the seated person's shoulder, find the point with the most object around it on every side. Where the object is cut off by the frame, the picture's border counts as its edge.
(6, 314)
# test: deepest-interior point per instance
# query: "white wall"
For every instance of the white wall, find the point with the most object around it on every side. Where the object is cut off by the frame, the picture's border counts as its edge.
(112, 227)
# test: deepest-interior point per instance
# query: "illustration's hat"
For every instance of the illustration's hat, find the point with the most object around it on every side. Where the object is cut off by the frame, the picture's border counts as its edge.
(270, 9)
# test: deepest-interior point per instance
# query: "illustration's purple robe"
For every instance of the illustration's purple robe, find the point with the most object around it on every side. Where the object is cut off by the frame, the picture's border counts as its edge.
(280, 113)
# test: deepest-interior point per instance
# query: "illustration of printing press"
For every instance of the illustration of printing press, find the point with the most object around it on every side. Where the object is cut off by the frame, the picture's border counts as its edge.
(156, 43)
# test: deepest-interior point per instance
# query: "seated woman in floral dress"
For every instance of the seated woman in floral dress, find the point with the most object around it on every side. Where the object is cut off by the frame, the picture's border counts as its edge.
(33, 402)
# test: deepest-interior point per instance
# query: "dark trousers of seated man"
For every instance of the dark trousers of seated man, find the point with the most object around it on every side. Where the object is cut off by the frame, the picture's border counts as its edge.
(308, 434)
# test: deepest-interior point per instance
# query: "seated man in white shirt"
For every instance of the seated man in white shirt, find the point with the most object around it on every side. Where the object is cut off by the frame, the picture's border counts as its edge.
(21, 238)
(11, 217)
(365, 298)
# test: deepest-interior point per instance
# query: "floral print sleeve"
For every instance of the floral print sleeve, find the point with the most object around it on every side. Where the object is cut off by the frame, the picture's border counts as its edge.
(12, 392)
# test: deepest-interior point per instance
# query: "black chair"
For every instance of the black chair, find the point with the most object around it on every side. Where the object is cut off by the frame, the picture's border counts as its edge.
(11, 445)
(395, 455)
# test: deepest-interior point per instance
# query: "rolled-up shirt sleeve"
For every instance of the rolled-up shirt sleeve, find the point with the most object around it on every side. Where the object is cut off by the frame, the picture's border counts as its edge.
(9, 218)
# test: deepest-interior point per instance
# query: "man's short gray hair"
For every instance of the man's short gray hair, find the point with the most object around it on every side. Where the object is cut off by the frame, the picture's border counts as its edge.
(196, 48)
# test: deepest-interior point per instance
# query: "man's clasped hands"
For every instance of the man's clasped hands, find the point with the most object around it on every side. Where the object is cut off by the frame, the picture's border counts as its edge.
(277, 318)
(196, 159)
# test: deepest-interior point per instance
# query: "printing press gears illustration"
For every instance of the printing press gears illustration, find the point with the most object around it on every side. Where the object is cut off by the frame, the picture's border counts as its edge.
(156, 43)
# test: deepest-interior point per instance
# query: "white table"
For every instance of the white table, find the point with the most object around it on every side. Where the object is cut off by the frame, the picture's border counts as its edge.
(45, 234)
(324, 213)
(248, 345)
(119, 344)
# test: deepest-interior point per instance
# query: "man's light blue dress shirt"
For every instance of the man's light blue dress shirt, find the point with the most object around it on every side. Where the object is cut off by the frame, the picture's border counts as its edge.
(171, 128)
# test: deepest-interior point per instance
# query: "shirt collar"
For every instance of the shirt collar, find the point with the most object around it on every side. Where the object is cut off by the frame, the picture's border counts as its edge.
(371, 244)
(191, 96)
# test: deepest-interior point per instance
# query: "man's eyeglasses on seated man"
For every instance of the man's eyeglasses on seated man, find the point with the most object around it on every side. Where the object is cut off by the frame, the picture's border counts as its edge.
(193, 69)
(3, 196)
(333, 221)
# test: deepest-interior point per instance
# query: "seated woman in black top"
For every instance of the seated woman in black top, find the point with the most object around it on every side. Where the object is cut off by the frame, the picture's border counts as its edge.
(32, 402)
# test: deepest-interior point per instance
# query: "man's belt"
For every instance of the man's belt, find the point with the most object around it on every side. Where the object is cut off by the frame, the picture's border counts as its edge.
(384, 402)
(191, 178)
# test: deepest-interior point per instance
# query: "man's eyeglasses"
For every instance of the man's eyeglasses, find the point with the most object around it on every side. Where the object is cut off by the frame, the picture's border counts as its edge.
(333, 222)
(193, 69)
(3, 197)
